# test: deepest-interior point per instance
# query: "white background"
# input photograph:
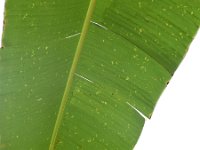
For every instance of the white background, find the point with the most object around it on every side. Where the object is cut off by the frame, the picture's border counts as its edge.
(175, 124)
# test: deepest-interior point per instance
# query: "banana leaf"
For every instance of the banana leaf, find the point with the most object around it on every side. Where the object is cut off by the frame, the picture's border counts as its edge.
(84, 75)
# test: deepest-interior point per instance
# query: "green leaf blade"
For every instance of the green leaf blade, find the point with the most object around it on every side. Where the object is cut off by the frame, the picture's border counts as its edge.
(131, 51)
(34, 63)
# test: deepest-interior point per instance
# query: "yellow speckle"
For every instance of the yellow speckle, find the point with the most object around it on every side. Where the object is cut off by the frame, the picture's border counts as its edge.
(127, 78)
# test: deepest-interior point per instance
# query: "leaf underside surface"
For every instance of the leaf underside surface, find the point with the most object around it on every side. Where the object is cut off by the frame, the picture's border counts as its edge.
(130, 52)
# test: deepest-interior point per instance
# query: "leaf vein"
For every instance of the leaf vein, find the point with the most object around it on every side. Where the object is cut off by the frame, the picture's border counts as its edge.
(71, 75)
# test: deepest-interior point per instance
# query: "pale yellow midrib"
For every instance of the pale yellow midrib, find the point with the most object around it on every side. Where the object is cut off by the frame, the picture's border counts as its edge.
(72, 73)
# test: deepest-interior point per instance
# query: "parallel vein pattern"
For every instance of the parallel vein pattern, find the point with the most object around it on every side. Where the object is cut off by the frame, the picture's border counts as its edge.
(131, 50)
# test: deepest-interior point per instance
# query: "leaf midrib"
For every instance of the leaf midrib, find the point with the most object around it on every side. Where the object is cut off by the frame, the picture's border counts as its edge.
(72, 73)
